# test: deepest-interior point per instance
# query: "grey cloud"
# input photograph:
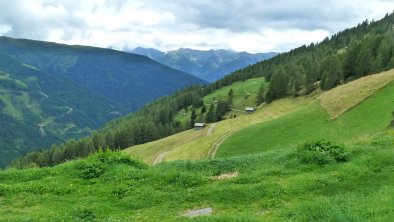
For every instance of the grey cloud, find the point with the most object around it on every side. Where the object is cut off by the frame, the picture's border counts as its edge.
(190, 17)
(244, 15)
(25, 23)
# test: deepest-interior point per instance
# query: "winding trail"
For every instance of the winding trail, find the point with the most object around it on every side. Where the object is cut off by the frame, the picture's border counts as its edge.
(215, 146)
(160, 157)
(70, 109)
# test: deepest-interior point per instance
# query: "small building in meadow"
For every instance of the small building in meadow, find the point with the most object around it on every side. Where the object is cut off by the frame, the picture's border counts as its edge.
(199, 126)
(249, 110)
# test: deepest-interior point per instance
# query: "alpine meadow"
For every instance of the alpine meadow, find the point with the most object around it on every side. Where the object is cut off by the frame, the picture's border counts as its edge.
(198, 122)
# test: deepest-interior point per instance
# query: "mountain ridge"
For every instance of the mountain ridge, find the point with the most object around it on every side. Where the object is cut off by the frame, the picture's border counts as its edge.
(209, 65)
(89, 85)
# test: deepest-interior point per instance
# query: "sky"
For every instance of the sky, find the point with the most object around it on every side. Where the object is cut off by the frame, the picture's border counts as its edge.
(239, 25)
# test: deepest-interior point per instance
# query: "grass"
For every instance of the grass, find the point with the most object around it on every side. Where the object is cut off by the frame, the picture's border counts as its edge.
(310, 117)
(344, 97)
(371, 116)
(270, 186)
(244, 93)
(193, 145)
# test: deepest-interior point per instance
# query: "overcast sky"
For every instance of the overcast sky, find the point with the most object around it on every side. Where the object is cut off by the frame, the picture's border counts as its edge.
(240, 25)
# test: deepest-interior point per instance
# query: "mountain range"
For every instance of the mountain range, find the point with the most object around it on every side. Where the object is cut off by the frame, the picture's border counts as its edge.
(209, 65)
(52, 92)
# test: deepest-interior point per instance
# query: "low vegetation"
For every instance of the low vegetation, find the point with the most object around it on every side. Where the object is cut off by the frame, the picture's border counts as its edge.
(322, 152)
(272, 186)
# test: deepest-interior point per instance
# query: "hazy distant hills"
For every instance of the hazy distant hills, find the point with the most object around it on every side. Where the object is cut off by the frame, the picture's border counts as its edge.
(208, 65)
(52, 92)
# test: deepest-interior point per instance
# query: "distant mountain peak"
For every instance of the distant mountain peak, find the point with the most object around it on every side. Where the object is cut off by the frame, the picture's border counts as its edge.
(209, 65)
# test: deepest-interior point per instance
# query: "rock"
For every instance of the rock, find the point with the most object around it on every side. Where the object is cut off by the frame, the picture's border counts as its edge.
(199, 212)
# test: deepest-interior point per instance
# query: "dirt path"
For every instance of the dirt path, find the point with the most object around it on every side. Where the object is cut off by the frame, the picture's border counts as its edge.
(160, 157)
(41, 129)
(70, 109)
(211, 128)
(215, 146)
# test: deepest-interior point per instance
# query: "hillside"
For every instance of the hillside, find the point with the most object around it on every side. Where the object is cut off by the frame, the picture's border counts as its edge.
(277, 185)
(51, 93)
(129, 79)
(303, 115)
(301, 73)
(38, 109)
(282, 179)
(208, 65)
(319, 145)
(371, 116)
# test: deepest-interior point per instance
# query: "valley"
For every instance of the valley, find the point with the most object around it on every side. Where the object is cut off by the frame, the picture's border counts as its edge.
(97, 134)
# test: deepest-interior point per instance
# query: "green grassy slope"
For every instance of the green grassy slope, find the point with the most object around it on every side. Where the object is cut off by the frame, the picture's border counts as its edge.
(194, 145)
(244, 93)
(271, 186)
(372, 115)
(305, 114)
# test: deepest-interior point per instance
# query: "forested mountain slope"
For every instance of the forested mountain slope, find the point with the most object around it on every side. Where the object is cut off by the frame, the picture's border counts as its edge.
(50, 93)
(129, 79)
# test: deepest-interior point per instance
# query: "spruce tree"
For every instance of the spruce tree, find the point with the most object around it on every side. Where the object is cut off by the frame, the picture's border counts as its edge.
(193, 118)
(203, 109)
(211, 117)
(261, 94)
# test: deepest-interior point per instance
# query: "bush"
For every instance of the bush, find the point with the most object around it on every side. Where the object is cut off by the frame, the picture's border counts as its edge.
(322, 152)
(96, 164)
(93, 170)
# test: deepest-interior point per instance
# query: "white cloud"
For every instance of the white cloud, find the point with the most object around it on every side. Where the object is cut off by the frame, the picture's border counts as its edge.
(242, 25)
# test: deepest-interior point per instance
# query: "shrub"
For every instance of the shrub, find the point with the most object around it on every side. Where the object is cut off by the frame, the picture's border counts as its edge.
(96, 164)
(93, 170)
(322, 152)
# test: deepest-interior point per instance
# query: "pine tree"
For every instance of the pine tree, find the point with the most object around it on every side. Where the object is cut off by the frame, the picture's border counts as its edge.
(261, 94)
(311, 78)
(297, 79)
(230, 93)
(211, 117)
(203, 109)
(278, 86)
(193, 118)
